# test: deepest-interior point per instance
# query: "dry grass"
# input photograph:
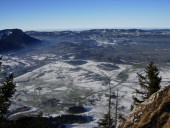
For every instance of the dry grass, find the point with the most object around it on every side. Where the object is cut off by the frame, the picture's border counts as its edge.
(167, 125)
(154, 115)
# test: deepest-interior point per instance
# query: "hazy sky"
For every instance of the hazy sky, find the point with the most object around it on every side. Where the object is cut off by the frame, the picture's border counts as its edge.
(84, 14)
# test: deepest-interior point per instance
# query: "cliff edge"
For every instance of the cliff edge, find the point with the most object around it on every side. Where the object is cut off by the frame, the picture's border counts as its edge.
(153, 113)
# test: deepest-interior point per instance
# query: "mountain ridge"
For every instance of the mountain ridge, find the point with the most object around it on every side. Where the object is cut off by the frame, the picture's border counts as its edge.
(14, 39)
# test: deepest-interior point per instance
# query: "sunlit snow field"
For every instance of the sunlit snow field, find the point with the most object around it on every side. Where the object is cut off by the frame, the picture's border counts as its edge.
(61, 84)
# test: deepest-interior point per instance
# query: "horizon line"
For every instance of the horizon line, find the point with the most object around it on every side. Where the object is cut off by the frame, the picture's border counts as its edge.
(83, 29)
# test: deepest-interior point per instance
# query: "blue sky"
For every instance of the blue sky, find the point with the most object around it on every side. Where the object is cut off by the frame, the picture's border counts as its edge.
(84, 14)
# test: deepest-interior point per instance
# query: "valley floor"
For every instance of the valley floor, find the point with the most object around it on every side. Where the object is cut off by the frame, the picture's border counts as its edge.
(61, 84)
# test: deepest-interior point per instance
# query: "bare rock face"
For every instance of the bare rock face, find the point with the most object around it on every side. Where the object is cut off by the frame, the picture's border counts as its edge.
(153, 113)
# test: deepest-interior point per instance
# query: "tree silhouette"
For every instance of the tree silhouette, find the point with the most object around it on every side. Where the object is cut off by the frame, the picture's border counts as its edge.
(149, 82)
(7, 90)
(104, 122)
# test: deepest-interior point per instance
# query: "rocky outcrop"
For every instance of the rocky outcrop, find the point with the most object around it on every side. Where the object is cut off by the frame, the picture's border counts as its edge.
(153, 113)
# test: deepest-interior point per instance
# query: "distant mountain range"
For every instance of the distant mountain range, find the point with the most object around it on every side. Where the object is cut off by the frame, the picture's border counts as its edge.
(113, 45)
(103, 35)
(12, 39)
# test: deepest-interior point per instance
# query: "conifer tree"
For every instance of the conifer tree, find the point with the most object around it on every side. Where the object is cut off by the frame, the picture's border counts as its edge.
(7, 90)
(104, 122)
(149, 82)
(107, 121)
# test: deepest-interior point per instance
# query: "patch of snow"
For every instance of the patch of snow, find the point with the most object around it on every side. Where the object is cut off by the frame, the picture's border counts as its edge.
(38, 58)
(60, 89)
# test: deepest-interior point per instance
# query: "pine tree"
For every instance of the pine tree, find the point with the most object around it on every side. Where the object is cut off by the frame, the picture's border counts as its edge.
(104, 122)
(7, 90)
(149, 82)
(107, 121)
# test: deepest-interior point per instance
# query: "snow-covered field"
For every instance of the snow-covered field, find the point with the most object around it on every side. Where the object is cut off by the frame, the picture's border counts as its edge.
(61, 84)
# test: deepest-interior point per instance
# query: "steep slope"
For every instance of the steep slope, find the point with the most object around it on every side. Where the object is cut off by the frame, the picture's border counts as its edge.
(153, 113)
(11, 39)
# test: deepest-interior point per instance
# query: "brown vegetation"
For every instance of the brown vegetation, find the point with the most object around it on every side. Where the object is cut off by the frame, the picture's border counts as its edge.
(153, 113)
